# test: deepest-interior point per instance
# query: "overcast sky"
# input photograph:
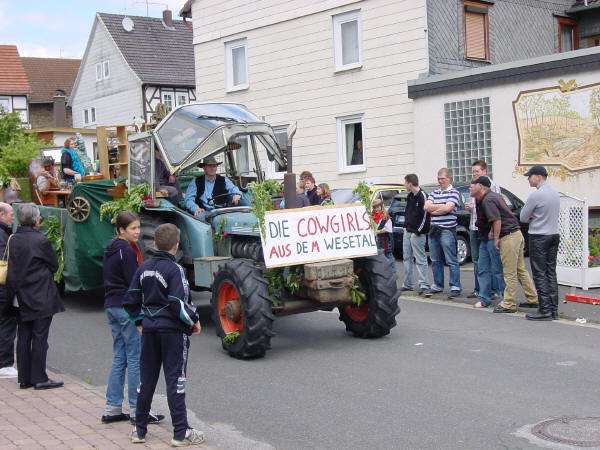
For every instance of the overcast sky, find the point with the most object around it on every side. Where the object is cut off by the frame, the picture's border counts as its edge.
(60, 28)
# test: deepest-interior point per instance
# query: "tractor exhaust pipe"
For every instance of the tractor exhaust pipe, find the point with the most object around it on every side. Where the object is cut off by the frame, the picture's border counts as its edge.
(289, 178)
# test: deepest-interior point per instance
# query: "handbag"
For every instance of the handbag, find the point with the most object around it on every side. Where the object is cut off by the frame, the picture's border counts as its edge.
(4, 264)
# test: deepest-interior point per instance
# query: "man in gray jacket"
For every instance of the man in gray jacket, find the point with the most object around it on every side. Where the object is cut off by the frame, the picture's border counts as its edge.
(542, 211)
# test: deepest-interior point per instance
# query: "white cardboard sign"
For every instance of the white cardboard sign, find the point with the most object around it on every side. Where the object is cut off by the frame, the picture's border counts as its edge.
(318, 233)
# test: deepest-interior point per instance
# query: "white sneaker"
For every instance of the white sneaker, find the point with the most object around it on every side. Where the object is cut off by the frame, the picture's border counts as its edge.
(135, 439)
(8, 372)
(192, 437)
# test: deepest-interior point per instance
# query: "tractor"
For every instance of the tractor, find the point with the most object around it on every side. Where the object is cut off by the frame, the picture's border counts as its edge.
(222, 251)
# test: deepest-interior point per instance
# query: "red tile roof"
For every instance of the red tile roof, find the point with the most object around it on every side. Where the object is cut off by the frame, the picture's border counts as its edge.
(47, 75)
(13, 79)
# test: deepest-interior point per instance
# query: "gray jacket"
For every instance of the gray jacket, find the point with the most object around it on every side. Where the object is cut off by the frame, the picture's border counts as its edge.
(542, 210)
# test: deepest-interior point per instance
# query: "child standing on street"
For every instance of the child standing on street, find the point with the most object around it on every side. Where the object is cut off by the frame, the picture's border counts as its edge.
(121, 259)
(158, 302)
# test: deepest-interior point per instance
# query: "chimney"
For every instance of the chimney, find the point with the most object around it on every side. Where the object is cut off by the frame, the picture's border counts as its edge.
(168, 19)
(59, 109)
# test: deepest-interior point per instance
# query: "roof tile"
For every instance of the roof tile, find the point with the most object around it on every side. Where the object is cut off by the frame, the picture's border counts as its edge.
(157, 54)
(13, 79)
(47, 75)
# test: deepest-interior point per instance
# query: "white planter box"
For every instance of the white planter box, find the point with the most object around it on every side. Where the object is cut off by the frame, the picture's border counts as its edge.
(583, 278)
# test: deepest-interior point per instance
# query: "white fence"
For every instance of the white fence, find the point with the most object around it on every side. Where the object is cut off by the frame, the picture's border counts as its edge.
(573, 252)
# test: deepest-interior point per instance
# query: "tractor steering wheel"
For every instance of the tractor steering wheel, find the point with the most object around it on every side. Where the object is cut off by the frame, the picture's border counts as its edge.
(227, 200)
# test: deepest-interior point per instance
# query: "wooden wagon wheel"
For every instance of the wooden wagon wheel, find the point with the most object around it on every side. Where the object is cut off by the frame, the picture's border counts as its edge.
(79, 209)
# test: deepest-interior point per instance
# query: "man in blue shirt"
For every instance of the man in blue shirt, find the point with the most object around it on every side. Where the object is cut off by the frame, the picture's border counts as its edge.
(206, 187)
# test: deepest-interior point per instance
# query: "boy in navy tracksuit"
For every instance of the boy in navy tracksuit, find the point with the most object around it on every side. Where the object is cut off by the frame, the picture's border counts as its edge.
(158, 301)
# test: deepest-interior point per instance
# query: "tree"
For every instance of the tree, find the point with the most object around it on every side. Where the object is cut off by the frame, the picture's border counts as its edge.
(17, 148)
(83, 157)
(10, 126)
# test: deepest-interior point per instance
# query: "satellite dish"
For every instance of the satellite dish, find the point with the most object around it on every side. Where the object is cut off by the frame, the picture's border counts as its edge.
(127, 24)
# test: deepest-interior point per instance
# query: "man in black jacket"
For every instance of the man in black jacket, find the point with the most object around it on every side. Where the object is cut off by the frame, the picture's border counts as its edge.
(31, 266)
(8, 320)
(159, 303)
(416, 227)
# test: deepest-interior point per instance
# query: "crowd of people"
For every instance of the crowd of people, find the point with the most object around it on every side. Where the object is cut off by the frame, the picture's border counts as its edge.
(148, 305)
(497, 243)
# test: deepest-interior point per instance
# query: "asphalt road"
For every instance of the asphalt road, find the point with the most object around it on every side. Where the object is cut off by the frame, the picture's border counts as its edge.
(448, 376)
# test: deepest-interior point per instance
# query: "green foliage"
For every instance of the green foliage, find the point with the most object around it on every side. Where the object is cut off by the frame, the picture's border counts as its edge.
(292, 281)
(81, 152)
(54, 232)
(231, 338)
(262, 199)
(132, 201)
(220, 231)
(16, 155)
(10, 126)
(357, 295)
(277, 283)
(594, 247)
(363, 192)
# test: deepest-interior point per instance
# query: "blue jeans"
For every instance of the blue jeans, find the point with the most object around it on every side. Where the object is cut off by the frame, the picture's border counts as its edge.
(126, 357)
(489, 271)
(442, 248)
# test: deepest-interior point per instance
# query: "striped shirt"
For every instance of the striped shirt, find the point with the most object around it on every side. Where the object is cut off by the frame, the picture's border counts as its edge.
(440, 197)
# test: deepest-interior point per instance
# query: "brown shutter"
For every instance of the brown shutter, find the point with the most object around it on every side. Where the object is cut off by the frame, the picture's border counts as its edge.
(476, 35)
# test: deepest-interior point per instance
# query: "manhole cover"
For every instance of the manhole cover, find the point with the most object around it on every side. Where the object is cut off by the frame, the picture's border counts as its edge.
(578, 431)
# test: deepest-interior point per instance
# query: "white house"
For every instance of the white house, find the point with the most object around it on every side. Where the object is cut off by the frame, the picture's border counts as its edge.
(14, 85)
(130, 65)
(337, 68)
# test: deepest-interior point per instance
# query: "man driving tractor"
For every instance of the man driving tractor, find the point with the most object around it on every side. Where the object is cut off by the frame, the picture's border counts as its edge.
(201, 193)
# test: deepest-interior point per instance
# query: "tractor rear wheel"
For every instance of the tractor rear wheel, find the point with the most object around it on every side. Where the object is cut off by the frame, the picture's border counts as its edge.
(148, 225)
(376, 316)
(241, 309)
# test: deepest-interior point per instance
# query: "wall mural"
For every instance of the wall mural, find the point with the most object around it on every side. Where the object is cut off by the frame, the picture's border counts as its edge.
(559, 126)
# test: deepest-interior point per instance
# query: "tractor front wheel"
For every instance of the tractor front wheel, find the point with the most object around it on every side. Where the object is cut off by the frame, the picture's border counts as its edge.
(241, 309)
(376, 316)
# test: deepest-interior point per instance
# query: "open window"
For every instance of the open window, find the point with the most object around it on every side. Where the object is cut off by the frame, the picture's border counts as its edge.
(350, 141)
(568, 34)
(477, 30)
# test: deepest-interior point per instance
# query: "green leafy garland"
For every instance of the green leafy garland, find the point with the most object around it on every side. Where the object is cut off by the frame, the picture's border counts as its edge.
(277, 283)
(54, 232)
(363, 192)
(262, 199)
(133, 200)
(220, 233)
(231, 338)
(357, 295)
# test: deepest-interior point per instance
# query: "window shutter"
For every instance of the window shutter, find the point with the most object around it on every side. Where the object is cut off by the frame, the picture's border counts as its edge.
(475, 35)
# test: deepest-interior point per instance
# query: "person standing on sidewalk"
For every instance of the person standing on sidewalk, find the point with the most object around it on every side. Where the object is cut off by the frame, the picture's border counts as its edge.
(442, 204)
(478, 169)
(416, 227)
(31, 266)
(121, 259)
(489, 269)
(505, 236)
(158, 302)
(8, 319)
(542, 211)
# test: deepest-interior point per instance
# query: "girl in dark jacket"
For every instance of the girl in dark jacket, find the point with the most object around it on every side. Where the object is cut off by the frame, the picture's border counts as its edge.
(121, 259)
(30, 283)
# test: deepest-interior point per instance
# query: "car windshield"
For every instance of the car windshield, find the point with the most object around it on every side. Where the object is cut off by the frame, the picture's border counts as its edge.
(198, 130)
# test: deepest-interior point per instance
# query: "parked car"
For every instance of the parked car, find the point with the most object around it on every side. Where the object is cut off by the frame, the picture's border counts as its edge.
(385, 192)
(398, 206)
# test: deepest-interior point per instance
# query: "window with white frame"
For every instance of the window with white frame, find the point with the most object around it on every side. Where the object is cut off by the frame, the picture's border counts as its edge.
(236, 65)
(102, 70)
(346, 40)
(350, 143)
(167, 100)
(86, 116)
(89, 116)
(182, 98)
(93, 114)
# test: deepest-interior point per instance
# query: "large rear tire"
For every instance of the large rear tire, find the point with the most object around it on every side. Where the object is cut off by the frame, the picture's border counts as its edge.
(241, 304)
(148, 225)
(377, 315)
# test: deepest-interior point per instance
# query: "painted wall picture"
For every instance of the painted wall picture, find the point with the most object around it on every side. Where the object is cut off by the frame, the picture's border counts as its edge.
(560, 126)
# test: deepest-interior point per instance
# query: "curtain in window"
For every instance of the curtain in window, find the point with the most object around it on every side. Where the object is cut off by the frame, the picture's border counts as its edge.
(349, 42)
(349, 143)
(566, 38)
(238, 58)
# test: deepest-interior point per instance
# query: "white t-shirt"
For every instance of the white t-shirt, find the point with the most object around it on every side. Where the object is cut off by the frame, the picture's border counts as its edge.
(494, 188)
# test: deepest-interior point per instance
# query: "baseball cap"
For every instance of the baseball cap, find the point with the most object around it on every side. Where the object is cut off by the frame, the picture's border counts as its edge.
(536, 170)
(483, 180)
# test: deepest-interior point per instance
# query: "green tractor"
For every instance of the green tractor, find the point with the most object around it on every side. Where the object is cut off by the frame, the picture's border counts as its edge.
(223, 249)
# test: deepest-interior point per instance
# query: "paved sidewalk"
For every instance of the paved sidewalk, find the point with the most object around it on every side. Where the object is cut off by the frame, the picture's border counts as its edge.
(65, 418)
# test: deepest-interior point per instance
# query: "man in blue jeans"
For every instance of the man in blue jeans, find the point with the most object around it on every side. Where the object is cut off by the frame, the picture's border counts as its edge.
(442, 204)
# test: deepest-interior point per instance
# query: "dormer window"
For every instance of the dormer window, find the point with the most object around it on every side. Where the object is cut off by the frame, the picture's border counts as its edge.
(568, 34)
